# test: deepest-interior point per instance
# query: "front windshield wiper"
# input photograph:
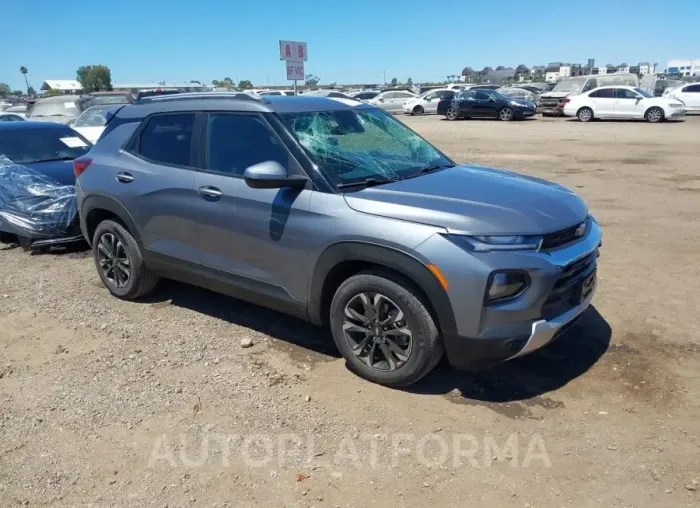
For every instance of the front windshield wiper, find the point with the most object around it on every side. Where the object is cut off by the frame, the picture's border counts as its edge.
(367, 182)
(427, 169)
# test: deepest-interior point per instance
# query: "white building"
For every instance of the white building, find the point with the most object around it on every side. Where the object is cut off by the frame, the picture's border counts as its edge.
(565, 71)
(684, 67)
(600, 70)
(63, 85)
(645, 68)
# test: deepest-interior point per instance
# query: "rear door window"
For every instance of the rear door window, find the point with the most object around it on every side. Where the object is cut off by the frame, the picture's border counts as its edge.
(603, 93)
(167, 139)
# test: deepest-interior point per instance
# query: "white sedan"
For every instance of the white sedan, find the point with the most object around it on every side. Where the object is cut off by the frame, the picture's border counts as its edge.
(427, 102)
(92, 122)
(623, 102)
(688, 94)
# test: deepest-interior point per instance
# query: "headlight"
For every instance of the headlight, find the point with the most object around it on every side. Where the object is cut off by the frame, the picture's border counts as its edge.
(505, 285)
(492, 243)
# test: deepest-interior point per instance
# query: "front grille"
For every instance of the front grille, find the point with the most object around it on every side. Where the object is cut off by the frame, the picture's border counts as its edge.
(550, 103)
(561, 237)
(569, 289)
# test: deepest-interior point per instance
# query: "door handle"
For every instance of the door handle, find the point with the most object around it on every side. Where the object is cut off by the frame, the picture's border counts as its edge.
(210, 192)
(124, 178)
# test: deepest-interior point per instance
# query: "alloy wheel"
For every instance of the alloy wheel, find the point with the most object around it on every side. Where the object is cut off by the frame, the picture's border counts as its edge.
(376, 331)
(654, 115)
(584, 115)
(506, 114)
(113, 260)
(451, 114)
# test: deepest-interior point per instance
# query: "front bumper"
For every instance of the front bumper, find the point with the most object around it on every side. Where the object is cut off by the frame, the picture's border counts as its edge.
(676, 113)
(550, 110)
(486, 335)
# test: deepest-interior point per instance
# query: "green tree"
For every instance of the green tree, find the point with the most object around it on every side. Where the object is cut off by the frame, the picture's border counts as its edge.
(216, 82)
(52, 92)
(311, 80)
(94, 78)
(24, 71)
(4, 90)
(409, 82)
(394, 81)
(17, 93)
(31, 92)
(245, 84)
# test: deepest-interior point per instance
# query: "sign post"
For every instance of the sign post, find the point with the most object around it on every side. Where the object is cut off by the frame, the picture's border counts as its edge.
(294, 54)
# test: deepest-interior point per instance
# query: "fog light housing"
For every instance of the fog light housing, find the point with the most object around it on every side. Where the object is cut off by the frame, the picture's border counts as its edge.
(506, 285)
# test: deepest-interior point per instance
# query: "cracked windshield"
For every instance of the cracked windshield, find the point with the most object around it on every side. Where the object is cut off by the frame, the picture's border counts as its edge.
(355, 145)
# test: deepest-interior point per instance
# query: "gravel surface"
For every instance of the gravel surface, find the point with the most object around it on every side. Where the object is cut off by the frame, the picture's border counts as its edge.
(189, 398)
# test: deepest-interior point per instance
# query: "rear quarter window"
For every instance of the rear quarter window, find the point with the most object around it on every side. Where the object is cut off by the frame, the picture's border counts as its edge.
(167, 139)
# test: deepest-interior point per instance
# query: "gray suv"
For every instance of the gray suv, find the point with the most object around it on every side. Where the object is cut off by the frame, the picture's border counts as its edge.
(335, 212)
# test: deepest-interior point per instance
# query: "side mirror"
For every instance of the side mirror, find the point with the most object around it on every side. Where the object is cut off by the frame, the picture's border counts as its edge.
(380, 100)
(491, 99)
(271, 175)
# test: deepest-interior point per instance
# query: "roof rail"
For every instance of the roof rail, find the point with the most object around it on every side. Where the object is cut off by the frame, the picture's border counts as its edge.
(197, 96)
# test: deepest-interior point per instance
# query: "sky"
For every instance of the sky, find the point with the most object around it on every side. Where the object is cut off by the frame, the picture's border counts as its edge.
(354, 41)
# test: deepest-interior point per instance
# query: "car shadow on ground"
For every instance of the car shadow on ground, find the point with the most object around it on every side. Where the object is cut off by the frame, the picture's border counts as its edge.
(624, 120)
(540, 372)
(238, 312)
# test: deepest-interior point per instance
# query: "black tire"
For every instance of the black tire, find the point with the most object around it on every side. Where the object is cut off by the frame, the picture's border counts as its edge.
(452, 114)
(140, 280)
(584, 114)
(418, 110)
(506, 114)
(426, 345)
(654, 115)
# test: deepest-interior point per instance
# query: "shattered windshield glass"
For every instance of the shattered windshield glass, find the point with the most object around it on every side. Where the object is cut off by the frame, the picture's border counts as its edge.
(359, 144)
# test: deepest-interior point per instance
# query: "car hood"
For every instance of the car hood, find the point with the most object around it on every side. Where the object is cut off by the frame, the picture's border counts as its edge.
(556, 95)
(61, 171)
(475, 200)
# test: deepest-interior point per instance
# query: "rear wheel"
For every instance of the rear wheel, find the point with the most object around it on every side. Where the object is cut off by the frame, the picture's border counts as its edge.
(452, 113)
(505, 115)
(384, 330)
(654, 115)
(418, 110)
(119, 262)
(585, 114)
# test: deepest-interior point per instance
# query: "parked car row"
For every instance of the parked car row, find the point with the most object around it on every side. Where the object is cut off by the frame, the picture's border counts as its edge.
(327, 209)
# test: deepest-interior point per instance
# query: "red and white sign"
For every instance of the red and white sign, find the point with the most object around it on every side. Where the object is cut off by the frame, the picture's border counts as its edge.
(295, 71)
(293, 51)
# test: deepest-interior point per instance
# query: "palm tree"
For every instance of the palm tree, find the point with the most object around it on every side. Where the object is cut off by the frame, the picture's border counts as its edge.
(24, 71)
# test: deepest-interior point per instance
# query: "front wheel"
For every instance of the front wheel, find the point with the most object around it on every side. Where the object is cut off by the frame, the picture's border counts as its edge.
(505, 115)
(384, 330)
(418, 110)
(654, 115)
(452, 114)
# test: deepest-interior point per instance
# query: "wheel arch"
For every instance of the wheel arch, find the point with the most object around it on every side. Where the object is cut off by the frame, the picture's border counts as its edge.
(96, 209)
(342, 260)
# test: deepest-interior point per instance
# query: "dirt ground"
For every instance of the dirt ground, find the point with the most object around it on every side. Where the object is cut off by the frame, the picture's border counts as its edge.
(155, 403)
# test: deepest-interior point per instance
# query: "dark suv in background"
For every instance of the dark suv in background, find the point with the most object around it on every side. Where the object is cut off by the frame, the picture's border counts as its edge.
(335, 212)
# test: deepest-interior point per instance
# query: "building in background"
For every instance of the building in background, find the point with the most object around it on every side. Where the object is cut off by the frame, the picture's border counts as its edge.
(66, 86)
(683, 67)
(645, 68)
(135, 87)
